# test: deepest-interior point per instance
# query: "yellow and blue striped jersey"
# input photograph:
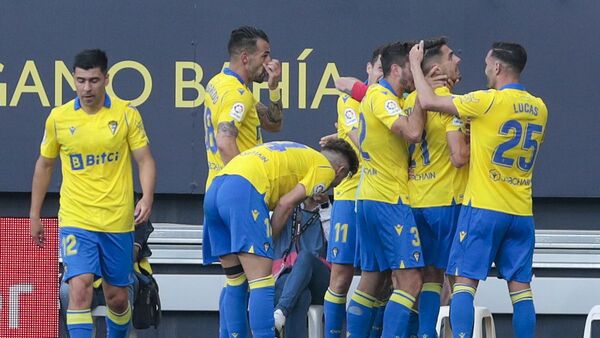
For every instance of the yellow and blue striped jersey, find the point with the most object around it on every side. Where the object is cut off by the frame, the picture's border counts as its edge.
(507, 129)
(384, 175)
(348, 110)
(97, 187)
(275, 168)
(432, 180)
(228, 99)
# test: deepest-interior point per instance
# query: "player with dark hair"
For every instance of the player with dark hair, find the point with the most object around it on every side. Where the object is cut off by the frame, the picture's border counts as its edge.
(342, 235)
(389, 238)
(496, 220)
(436, 182)
(233, 119)
(95, 136)
(275, 176)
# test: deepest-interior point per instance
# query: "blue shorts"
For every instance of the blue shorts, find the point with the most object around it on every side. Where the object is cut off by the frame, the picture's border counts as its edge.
(484, 237)
(437, 226)
(389, 237)
(342, 233)
(236, 219)
(107, 255)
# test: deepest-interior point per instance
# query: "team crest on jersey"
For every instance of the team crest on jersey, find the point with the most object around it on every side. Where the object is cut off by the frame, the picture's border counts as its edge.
(72, 130)
(112, 125)
(266, 246)
(462, 235)
(237, 111)
(345, 98)
(334, 252)
(392, 107)
(241, 91)
(495, 175)
(350, 116)
(319, 188)
(255, 214)
(416, 255)
(235, 334)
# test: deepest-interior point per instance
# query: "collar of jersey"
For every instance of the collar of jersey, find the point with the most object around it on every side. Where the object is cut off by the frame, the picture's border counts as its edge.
(230, 72)
(107, 102)
(516, 86)
(384, 83)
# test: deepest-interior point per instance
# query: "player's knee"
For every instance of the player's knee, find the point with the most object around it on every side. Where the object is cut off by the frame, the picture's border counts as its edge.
(117, 300)
(80, 292)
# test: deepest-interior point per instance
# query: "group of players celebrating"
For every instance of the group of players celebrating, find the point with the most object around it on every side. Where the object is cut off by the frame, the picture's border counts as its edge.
(427, 183)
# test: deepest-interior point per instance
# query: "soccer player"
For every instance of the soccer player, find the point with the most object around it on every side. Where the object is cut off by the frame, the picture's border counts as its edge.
(342, 236)
(496, 220)
(230, 107)
(389, 238)
(232, 117)
(436, 182)
(276, 176)
(95, 135)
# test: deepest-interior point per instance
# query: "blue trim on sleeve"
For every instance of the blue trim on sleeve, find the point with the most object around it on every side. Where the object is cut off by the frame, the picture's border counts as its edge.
(230, 72)
(516, 86)
(387, 85)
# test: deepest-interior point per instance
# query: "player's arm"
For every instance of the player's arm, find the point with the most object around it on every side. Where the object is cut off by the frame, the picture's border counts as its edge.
(459, 148)
(147, 173)
(226, 138)
(426, 96)
(346, 84)
(271, 117)
(39, 187)
(410, 127)
(285, 206)
(353, 135)
(327, 138)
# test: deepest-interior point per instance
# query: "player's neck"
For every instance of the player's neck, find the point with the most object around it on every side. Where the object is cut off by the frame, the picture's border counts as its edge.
(92, 109)
(505, 80)
(239, 70)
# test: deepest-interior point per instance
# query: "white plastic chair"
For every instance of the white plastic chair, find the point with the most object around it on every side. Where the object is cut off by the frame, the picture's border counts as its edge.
(315, 321)
(483, 321)
(594, 314)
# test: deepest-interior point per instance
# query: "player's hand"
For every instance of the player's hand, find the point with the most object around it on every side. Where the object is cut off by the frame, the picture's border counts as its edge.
(273, 69)
(323, 141)
(435, 78)
(416, 54)
(37, 231)
(142, 210)
(451, 83)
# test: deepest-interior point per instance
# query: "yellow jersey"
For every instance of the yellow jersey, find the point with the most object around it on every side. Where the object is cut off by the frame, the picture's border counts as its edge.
(97, 188)
(228, 99)
(348, 110)
(507, 129)
(275, 168)
(384, 175)
(432, 179)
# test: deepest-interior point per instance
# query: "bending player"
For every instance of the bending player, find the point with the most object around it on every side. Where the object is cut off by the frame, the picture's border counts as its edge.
(275, 176)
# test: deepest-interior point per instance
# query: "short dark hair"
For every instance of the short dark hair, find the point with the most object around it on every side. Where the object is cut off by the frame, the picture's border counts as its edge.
(432, 49)
(376, 53)
(244, 38)
(343, 148)
(91, 58)
(395, 53)
(510, 53)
